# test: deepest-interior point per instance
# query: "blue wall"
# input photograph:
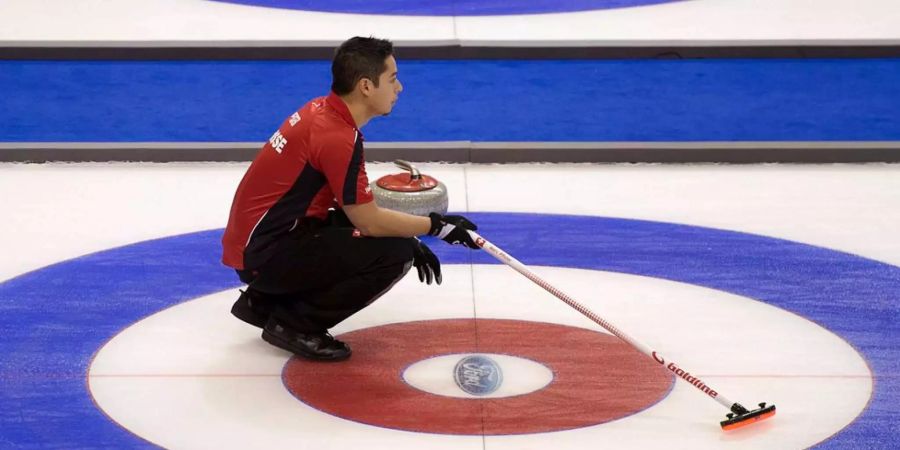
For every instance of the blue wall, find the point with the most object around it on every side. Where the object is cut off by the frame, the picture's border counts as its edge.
(573, 100)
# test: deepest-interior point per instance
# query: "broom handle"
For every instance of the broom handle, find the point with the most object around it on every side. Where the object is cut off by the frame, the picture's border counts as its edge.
(676, 369)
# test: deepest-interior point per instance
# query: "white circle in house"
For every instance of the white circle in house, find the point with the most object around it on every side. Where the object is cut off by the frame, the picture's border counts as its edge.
(437, 375)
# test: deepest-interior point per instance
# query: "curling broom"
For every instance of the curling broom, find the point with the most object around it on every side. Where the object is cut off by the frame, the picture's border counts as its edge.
(739, 415)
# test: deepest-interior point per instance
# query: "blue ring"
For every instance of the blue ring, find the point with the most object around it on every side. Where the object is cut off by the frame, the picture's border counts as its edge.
(55, 318)
(448, 7)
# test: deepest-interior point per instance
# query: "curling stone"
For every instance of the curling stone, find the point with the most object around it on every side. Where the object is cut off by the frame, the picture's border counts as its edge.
(410, 192)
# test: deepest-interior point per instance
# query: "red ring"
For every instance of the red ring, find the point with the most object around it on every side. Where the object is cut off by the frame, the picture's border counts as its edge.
(597, 378)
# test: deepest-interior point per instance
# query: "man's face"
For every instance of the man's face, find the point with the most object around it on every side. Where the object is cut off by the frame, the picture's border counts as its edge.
(385, 95)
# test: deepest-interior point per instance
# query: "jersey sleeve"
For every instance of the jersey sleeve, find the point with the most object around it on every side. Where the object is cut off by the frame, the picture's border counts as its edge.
(342, 161)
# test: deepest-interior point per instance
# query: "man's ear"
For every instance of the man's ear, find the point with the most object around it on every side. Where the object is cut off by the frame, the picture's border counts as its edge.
(365, 86)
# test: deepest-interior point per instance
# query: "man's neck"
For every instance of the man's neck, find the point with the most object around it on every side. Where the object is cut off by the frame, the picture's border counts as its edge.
(358, 110)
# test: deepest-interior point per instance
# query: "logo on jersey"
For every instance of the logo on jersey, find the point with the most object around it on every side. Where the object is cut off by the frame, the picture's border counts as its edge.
(278, 141)
(477, 375)
(295, 117)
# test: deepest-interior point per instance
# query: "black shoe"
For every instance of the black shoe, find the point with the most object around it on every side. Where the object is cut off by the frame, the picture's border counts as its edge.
(317, 346)
(251, 308)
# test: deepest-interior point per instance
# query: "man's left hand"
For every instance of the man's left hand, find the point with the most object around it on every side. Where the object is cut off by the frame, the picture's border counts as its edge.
(426, 263)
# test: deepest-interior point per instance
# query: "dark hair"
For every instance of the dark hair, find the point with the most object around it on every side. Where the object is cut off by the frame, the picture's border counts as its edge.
(358, 58)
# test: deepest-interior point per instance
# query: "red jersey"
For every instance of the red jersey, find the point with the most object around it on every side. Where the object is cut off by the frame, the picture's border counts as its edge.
(313, 162)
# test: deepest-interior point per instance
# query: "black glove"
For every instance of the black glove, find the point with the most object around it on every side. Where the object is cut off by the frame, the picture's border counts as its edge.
(453, 229)
(426, 263)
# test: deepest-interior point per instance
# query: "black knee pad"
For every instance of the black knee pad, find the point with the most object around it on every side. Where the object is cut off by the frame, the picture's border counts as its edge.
(402, 249)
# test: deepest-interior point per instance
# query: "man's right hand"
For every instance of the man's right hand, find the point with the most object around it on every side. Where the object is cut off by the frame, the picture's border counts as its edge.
(453, 229)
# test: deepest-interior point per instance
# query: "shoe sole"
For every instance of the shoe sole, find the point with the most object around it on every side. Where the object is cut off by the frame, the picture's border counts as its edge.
(285, 345)
(247, 315)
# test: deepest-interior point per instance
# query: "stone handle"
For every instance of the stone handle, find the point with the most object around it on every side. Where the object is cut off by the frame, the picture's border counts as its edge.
(406, 165)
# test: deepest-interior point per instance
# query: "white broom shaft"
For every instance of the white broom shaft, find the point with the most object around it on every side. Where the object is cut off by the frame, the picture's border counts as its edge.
(503, 257)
